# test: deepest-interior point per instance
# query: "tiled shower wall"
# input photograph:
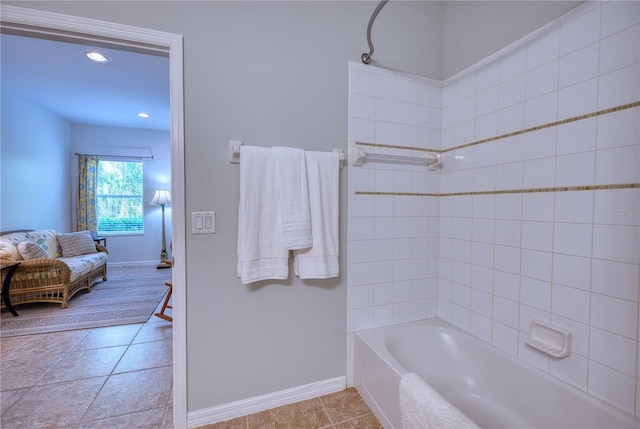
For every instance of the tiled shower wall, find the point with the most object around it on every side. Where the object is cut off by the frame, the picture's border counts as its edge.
(538, 199)
(392, 233)
(534, 225)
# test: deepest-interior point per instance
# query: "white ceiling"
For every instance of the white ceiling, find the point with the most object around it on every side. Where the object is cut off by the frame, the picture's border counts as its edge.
(59, 77)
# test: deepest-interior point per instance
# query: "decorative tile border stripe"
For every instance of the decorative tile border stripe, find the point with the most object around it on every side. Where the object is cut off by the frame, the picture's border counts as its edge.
(549, 125)
(537, 190)
(515, 133)
(398, 194)
(506, 191)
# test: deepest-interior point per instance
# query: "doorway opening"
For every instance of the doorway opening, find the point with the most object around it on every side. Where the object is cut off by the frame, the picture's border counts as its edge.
(53, 26)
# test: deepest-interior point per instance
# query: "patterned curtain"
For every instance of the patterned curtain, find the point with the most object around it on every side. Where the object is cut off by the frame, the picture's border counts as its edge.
(87, 184)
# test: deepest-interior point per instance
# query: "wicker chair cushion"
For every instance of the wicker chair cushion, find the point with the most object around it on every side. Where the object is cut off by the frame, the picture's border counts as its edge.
(76, 244)
(29, 250)
(81, 265)
(78, 266)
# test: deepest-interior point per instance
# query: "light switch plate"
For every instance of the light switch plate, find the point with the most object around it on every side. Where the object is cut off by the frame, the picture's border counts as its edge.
(203, 222)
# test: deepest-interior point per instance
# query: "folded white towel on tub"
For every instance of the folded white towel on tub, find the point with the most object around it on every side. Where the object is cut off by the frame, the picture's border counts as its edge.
(261, 251)
(421, 407)
(291, 177)
(323, 177)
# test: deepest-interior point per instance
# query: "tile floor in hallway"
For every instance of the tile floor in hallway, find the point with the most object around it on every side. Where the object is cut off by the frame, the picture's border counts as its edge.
(121, 377)
(114, 377)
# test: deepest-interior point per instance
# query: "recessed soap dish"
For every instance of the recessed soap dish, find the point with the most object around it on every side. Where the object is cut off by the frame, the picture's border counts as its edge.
(549, 339)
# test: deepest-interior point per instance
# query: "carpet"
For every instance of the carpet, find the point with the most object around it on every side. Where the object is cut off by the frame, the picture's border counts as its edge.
(131, 295)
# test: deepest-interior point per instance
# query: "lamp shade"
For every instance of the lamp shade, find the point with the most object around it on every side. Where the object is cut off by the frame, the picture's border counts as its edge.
(162, 197)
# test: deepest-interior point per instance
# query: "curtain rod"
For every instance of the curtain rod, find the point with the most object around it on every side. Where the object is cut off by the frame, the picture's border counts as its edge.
(366, 57)
(141, 158)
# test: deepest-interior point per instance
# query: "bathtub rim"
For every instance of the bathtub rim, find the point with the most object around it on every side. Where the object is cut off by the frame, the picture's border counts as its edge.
(376, 340)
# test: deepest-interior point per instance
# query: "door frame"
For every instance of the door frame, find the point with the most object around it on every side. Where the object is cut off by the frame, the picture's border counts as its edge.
(30, 22)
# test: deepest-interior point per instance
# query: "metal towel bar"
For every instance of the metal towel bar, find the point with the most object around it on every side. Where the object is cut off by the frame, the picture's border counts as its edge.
(234, 152)
(359, 155)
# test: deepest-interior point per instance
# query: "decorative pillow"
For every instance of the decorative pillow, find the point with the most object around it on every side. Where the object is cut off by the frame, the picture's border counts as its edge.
(29, 250)
(76, 243)
(9, 250)
(47, 239)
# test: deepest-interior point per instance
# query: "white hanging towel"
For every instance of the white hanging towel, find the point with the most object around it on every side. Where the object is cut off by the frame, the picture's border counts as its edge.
(261, 251)
(421, 407)
(323, 177)
(291, 176)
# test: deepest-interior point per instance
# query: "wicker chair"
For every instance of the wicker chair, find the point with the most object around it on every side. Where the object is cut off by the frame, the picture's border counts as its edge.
(50, 280)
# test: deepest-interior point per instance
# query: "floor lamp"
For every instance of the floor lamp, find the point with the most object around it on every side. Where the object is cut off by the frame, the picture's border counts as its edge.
(161, 198)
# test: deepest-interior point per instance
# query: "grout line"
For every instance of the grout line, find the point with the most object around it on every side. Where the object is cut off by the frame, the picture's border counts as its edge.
(326, 412)
(24, 390)
(62, 358)
(356, 417)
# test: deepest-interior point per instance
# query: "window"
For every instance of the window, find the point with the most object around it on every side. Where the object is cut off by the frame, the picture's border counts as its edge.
(120, 197)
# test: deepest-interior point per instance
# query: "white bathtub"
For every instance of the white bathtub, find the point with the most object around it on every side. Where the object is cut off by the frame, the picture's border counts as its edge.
(494, 389)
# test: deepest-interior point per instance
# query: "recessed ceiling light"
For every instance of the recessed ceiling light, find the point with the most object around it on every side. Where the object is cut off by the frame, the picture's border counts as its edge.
(143, 115)
(98, 57)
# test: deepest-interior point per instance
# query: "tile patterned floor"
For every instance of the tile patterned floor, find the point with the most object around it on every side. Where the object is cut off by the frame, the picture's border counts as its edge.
(121, 377)
(114, 377)
(342, 410)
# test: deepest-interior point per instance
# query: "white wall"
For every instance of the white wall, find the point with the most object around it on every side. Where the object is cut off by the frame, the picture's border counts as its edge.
(36, 155)
(474, 30)
(36, 190)
(92, 139)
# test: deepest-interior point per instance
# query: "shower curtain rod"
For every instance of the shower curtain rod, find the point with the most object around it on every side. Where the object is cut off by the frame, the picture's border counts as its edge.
(366, 57)
(140, 158)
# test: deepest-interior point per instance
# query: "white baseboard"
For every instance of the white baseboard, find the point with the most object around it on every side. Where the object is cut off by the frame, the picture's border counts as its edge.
(132, 264)
(256, 404)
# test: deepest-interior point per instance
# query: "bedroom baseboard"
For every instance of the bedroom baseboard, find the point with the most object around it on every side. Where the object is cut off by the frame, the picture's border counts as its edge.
(133, 264)
(259, 403)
